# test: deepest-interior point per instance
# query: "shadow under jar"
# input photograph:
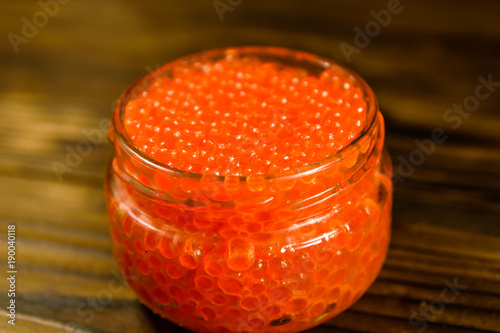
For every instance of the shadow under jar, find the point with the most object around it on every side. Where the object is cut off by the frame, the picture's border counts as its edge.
(278, 252)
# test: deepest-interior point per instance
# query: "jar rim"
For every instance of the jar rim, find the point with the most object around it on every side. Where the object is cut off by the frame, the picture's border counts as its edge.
(279, 54)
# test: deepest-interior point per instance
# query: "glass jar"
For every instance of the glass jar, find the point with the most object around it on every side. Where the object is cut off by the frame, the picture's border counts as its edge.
(260, 253)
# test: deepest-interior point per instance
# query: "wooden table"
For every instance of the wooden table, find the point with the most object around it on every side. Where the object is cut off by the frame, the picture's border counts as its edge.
(69, 70)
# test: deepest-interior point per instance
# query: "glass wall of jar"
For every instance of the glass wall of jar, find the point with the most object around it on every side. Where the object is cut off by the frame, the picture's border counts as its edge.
(258, 253)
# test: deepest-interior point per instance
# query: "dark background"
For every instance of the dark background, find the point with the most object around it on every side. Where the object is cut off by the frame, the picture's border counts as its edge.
(61, 84)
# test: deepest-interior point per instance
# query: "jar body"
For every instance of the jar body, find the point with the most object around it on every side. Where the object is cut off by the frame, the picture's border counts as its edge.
(229, 258)
(279, 252)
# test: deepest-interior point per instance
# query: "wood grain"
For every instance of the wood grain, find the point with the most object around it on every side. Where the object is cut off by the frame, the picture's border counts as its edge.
(65, 79)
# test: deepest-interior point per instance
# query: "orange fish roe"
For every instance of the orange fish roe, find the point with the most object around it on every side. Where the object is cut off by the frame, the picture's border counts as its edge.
(244, 117)
(249, 191)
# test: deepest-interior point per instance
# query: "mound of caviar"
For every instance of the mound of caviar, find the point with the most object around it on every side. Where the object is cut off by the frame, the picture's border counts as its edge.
(274, 215)
(244, 116)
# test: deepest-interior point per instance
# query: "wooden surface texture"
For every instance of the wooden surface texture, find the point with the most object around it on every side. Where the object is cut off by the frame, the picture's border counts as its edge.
(66, 74)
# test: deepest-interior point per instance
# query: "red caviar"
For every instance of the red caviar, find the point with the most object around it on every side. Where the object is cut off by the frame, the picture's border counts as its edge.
(244, 117)
(249, 191)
